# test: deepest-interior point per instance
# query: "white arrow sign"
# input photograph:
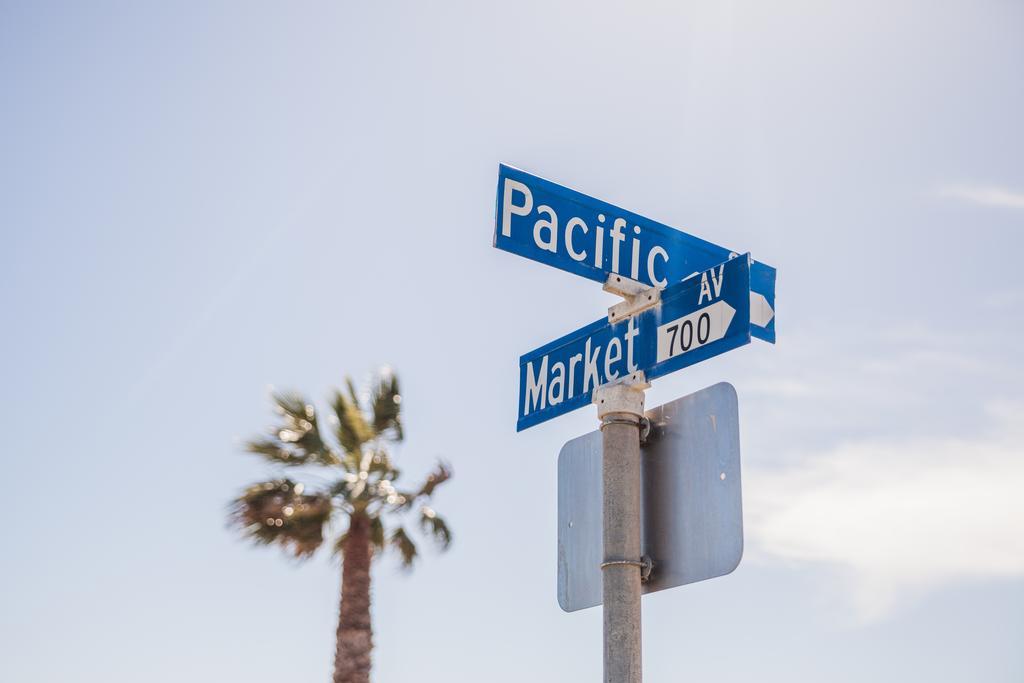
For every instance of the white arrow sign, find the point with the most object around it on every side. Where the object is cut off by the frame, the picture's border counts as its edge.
(761, 312)
(694, 330)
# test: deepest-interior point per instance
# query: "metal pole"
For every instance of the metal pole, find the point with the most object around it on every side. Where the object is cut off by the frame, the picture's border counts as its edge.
(621, 409)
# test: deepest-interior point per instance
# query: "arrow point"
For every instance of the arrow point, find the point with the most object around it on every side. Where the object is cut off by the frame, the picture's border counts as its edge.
(727, 316)
(761, 312)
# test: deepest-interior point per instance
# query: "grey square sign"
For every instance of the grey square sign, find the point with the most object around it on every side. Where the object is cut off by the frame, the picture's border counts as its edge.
(692, 526)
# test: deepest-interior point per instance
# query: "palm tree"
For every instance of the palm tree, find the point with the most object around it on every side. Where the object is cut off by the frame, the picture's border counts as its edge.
(360, 504)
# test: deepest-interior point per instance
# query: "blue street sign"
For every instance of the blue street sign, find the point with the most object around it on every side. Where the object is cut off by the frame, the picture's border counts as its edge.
(569, 230)
(696, 319)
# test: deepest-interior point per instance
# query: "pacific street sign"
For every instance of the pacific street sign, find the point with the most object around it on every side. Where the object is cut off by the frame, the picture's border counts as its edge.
(691, 509)
(696, 319)
(569, 230)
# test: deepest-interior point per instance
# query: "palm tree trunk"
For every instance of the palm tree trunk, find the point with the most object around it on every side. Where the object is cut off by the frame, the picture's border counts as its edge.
(355, 635)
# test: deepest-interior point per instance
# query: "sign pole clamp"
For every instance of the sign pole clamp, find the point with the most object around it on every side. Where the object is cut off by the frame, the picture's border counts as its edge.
(622, 400)
(645, 563)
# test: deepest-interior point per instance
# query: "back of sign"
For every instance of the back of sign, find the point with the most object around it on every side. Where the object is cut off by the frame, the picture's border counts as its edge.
(692, 526)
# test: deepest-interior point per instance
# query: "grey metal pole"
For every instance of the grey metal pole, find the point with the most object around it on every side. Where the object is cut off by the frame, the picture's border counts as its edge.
(620, 408)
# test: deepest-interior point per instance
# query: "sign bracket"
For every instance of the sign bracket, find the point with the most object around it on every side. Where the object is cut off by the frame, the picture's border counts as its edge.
(637, 297)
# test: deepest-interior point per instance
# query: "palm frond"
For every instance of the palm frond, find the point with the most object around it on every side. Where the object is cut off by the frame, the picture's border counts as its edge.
(441, 474)
(297, 440)
(280, 512)
(275, 451)
(300, 426)
(386, 405)
(381, 463)
(406, 548)
(342, 488)
(353, 395)
(353, 430)
(377, 537)
(433, 525)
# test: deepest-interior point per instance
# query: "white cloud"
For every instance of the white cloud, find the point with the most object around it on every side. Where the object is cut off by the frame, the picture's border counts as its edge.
(897, 519)
(986, 195)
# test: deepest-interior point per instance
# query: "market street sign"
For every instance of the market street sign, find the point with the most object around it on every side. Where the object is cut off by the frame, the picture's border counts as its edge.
(571, 231)
(691, 512)
(696, 319)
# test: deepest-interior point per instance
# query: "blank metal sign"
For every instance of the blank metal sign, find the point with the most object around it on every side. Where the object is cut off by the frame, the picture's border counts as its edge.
(692, 526)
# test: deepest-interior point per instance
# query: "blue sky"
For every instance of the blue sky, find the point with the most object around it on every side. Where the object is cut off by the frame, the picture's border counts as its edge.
(200, 200)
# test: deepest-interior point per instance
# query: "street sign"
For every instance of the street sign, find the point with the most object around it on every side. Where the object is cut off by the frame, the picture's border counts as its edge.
(545, 222)
(691, 511)
(695, 320)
